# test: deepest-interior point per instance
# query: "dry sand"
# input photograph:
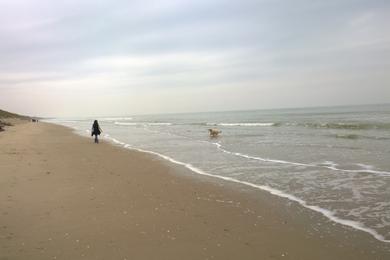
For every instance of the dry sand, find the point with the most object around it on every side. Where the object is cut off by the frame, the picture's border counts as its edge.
(64, 197)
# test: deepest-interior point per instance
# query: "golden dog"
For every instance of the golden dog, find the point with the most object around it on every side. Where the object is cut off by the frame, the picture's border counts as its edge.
(214, 132)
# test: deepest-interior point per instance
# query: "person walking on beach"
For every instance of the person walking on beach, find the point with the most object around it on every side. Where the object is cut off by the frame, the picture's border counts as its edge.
(96, 130)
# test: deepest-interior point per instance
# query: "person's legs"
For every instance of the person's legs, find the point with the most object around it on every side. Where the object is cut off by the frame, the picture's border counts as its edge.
(96, 139)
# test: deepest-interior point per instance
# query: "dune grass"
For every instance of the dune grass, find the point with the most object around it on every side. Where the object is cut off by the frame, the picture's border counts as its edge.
(4, 115)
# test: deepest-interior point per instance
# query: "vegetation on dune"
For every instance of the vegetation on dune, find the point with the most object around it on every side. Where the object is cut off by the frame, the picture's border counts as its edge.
(6, 115)
(2, 124)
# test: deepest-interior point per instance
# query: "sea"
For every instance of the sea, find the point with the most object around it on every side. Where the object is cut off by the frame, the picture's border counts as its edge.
(332, 160)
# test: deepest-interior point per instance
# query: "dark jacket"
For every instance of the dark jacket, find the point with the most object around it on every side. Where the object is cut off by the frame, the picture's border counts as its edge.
(96, 129)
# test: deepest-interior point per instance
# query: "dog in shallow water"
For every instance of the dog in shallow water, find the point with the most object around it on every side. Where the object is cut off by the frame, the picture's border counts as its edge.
(214, 132)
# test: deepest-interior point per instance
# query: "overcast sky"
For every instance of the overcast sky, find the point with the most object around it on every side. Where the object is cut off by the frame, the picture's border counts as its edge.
(105, 57)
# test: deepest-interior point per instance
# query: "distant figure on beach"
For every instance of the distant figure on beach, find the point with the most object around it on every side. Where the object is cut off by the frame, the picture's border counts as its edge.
(96, 130)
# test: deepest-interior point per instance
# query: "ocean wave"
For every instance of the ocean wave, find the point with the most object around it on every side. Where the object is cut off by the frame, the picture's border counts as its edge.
(128, 124)
(62, 121)
(325, 212)
(356, 136)
(242, 124)
(140, 123)
(327, 165)
(116, 119)
(347, 136)
(162, 124)
(344, 125)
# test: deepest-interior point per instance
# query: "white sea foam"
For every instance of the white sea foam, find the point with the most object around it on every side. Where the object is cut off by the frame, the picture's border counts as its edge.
(241, 124)
(219, 146)
(140, 123)
(117, 141)
(159, 123)
(366, 166)
(331, 166)
(325, 212)
(116, 119)
(123, 123)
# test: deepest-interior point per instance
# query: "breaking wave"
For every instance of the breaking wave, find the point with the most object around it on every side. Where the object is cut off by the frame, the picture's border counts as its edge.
(355, 136)
(142, 124)
(243, 124)
(327, 165)
(350, 126)
(116, 119)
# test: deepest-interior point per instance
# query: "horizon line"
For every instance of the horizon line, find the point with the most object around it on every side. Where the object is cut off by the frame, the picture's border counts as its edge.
(218, 111)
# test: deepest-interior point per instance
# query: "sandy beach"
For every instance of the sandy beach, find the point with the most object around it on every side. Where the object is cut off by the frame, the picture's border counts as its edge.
(64, 197)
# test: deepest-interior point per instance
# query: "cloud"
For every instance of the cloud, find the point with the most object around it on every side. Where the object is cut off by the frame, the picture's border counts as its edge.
(196, 48)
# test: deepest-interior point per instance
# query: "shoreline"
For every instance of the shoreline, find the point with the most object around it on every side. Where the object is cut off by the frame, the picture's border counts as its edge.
(324, 212)
(47, 166)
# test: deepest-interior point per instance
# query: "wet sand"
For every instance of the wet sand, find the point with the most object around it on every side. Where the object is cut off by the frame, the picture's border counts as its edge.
(64, 197)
